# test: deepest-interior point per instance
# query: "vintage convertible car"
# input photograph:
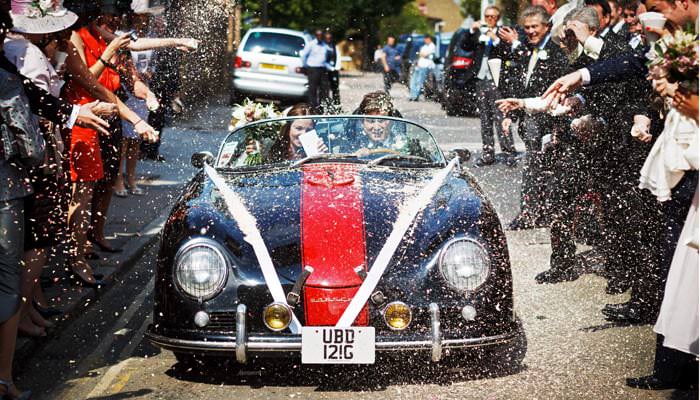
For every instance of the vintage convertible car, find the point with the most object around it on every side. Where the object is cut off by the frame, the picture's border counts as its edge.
(273, 239)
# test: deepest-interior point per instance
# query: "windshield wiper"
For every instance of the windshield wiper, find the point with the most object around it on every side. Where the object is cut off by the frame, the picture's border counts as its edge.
(381, 159)
(323, 156)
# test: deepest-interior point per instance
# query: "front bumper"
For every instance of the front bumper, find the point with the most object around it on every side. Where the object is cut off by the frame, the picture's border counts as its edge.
(268, 84)
(243, 345)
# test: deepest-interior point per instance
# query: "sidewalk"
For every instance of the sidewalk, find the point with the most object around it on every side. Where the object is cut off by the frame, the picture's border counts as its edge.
(133, 223)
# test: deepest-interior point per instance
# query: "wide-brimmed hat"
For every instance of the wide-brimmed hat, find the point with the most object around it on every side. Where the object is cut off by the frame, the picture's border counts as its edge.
(144, 7)
(44, 16)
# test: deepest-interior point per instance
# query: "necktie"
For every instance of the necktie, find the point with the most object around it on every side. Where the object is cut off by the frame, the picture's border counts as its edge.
(531, 66)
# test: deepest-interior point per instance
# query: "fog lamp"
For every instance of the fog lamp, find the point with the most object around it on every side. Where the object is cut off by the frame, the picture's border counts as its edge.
(201, 319)
(397, 315)
(277, 316)
(468, 313)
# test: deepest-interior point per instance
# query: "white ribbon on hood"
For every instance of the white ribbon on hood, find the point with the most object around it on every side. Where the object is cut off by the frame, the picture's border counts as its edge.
(407, 215)
(251, 234)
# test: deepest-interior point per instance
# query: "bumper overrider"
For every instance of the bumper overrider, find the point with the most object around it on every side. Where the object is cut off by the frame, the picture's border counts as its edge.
(243, 345)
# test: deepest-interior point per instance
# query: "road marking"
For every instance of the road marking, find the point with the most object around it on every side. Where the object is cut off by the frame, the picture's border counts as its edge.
(107, 378)
(121, 382)
(104, 346)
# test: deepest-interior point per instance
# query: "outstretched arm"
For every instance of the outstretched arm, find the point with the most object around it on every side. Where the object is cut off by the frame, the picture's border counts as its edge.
(185, 44)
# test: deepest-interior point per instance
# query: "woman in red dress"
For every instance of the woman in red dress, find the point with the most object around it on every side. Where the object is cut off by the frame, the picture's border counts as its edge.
(91, 57)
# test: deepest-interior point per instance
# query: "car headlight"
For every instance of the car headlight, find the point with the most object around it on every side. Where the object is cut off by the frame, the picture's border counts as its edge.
(464, 264)
(201, 268)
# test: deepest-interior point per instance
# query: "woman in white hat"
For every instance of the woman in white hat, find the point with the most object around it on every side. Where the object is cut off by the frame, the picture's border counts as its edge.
(46, 210)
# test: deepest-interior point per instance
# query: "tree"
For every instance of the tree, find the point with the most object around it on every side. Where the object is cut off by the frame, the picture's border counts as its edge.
(409, 21)
(343, 18)
(471, 7)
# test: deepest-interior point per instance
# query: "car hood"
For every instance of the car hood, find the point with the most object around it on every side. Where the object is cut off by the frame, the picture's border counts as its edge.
(335, 218)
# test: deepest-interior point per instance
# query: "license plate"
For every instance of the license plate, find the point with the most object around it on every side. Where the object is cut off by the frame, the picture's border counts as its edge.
(275, 67)
(329, 345)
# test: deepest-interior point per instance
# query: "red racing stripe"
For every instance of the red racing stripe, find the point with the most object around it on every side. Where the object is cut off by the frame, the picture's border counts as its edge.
(332, 240)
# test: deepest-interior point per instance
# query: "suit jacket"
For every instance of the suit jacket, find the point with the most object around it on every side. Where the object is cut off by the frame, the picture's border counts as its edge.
(471, 42)
(551, 64)
(627, 65)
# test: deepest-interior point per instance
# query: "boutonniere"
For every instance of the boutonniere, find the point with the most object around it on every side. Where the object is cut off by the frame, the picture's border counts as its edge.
(542, 55)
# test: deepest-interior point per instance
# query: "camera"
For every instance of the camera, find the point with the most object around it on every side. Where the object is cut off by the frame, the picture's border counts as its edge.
(133, 36)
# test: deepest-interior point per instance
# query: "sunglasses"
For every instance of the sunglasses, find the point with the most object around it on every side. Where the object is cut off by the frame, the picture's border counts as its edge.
(491, 16)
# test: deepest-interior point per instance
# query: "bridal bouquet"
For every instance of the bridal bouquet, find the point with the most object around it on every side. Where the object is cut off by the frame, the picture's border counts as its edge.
(245, 114)
(677, 59)
(249, 112)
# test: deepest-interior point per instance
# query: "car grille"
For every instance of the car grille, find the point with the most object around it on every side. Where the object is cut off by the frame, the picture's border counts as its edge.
(223, 321)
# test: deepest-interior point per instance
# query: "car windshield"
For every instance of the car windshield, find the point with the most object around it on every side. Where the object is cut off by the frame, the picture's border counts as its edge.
(274, 43)
(368, 139)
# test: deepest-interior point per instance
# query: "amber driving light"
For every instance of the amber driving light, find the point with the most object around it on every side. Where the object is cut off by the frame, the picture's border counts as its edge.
(277, 316)
(397, 315)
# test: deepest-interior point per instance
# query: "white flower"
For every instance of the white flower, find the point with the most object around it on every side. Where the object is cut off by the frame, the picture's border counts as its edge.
(46, 5)
(238, 113)
(258, 112)
(542, 55)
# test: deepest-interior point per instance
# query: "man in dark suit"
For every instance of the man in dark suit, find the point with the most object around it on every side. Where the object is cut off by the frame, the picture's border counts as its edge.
(483, 39)
(605, 17)
(539, 61)
(618, 26)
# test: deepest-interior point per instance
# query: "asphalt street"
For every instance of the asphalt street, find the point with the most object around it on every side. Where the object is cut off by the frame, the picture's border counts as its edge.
(572, 352)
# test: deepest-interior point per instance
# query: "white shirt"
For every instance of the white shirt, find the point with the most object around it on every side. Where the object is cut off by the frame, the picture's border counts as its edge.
(426, 55)
(618, 26)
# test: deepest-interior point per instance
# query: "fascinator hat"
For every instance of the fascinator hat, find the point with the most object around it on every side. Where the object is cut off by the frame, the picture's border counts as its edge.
(41, 16)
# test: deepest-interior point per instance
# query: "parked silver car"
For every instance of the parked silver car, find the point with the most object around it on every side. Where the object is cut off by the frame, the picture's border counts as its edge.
(268, 65)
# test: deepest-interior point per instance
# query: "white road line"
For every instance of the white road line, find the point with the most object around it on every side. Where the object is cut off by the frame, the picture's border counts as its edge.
(105, 344)
(108, 378)
(113, 371)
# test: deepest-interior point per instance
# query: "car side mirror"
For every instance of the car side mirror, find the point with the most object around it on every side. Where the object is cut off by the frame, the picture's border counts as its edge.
(200, 158)
(463, 154)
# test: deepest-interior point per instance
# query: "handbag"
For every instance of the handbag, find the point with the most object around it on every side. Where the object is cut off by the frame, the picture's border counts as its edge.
(19, 130)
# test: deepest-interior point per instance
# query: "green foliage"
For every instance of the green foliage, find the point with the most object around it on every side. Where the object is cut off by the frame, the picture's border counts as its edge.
(409, 20)
(471, 7)
(343, 18)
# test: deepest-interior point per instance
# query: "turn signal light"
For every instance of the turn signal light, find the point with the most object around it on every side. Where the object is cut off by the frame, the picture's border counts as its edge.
(277, 316)
(397, 315)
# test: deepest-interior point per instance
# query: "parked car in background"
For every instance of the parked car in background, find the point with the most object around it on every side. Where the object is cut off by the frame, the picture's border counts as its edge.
(459, 96)
(435, 84)
(268, 65)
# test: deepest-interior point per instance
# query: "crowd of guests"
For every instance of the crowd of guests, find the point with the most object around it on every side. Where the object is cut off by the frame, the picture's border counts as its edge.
(603, 131)
(76, 103)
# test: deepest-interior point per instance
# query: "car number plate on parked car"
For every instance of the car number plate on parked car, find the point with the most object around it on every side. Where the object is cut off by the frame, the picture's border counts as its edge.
(275, 67)
(330, 345)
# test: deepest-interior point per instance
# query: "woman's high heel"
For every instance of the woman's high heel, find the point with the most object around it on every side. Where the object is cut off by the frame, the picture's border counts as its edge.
(77, 279)
(104, 247)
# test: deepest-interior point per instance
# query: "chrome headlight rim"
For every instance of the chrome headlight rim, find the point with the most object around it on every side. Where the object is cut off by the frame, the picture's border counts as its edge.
(410, 315)
(220, 252)
(484, 253)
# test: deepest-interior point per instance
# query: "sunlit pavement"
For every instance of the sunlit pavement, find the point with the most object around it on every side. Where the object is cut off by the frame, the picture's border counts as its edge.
(572, 351)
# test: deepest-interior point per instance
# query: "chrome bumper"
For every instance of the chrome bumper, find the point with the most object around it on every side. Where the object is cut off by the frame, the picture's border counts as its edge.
(242, 345)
